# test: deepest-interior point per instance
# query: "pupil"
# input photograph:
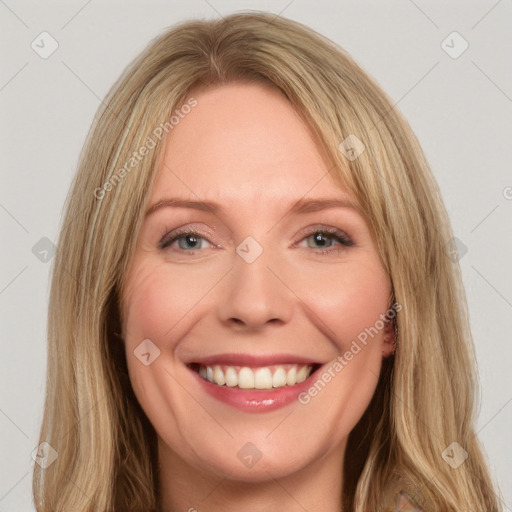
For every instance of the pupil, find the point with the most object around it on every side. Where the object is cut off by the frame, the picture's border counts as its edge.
(319, 239)
(191, 240)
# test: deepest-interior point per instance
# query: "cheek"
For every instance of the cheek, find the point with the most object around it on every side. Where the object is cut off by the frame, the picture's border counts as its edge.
(156, 309)
(347, 298)
(148, 315)
(159, 301)
(149, 312)
(347, 302)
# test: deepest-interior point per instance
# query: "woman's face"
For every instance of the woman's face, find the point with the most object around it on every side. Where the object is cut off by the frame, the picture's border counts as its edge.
(276, 277)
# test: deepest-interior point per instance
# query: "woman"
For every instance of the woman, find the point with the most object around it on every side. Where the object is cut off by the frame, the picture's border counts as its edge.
(253, 302)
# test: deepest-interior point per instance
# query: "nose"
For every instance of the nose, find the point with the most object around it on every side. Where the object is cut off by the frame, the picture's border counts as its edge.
(254, 295)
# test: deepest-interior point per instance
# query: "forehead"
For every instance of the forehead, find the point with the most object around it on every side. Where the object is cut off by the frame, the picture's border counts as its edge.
(243, 142)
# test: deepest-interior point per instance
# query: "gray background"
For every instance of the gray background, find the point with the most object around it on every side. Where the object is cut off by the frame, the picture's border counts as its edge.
(460, 108)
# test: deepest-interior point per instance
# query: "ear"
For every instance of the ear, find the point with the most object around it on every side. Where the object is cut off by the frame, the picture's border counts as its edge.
(389, 344)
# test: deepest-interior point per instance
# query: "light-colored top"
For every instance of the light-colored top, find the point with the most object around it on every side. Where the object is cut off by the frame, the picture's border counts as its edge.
(403, 502)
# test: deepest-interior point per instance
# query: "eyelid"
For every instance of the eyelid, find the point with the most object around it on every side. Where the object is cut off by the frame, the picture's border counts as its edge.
(331, 230)
(171, 235)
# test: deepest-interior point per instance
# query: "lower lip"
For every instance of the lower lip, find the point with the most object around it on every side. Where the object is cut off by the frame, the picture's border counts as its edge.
(255, 400)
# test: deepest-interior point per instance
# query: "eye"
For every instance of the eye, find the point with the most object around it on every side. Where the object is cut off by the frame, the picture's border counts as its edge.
(188, 240)
(324, 240)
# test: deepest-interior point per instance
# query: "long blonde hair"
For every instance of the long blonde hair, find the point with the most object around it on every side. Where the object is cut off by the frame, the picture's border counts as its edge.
(425, 397)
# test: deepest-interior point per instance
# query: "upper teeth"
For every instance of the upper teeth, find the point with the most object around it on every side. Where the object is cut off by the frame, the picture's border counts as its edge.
(264, 377)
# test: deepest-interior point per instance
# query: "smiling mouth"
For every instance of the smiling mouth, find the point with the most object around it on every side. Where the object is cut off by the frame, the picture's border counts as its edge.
(255, 377)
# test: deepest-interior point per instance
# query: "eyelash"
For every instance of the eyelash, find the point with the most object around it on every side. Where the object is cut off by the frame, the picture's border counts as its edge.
(333, 233)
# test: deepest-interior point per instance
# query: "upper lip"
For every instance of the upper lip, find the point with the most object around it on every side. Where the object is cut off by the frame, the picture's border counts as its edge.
(234, 359)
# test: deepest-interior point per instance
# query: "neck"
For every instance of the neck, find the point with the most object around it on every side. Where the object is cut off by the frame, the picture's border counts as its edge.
(189, 489)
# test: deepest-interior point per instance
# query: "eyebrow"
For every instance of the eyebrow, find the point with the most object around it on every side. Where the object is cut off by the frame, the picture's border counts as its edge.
(303, 205)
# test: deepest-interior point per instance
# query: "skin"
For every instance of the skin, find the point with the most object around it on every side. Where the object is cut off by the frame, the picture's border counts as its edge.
(244, 147)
